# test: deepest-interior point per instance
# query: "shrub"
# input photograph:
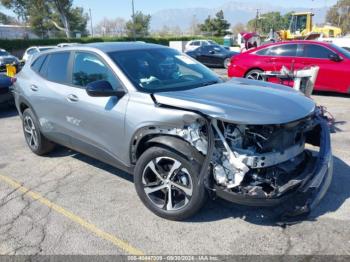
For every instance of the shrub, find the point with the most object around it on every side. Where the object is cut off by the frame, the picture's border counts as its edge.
(22, 44)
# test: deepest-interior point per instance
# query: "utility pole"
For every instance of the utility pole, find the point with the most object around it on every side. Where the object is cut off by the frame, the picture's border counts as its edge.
(133, 20)
(91, 28)
(256, 20)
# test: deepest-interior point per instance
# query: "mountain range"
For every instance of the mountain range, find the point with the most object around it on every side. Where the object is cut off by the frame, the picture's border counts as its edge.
(235, 12)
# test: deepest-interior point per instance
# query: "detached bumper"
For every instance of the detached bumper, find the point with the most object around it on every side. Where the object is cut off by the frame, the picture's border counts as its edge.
(306, 195)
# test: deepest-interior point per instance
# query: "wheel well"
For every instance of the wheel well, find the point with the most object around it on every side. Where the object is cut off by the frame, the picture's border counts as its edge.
(23, 107)
(170, 142)
(143, 145)
(251, 69)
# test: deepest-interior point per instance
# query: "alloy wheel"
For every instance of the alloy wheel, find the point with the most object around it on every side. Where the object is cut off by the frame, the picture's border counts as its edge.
(30, 132)
(255, 75)
(167, 183)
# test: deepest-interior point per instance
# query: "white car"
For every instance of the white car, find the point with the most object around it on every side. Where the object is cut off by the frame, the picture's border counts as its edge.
(67, 44)
(194, 44)
(35, 49)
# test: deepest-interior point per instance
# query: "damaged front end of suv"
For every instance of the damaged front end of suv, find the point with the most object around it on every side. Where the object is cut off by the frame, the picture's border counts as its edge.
(268, 165)
(287, 164)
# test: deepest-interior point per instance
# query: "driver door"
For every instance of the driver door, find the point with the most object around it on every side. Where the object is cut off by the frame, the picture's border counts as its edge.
(97, 122)
(331, 74)
(211, 55)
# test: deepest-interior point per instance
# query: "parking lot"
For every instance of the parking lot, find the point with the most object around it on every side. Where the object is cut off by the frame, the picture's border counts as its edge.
(68, 203)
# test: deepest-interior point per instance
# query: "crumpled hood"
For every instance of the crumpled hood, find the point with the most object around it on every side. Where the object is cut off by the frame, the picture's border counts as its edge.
(243, 101)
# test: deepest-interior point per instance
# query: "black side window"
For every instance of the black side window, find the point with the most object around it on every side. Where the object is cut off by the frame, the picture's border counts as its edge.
(89, 68)
(36, 65)
(316, 51)
(55, 68)
(283, 50)
(207, 48)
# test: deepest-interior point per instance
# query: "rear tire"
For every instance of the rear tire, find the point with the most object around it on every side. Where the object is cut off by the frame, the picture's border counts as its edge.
(255, 74)
(168, 184)
(37, 143)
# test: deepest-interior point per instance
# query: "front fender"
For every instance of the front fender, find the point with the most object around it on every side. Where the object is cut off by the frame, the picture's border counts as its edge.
(177, 144)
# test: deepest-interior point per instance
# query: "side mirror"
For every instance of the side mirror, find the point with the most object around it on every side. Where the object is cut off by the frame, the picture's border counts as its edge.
(103, 88)
(335, 57)
(211, 52)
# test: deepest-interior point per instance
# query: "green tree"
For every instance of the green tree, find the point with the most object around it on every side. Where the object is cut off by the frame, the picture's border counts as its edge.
(220, 24)
(272, 20)
(19, 7)
(140, 24)
(216, 26)
(47, 15)
(339, 15)
(7, 20)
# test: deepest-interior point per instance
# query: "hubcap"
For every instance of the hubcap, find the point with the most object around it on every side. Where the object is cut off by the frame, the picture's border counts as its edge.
(30, 132)
(255, 76)
(167, 183)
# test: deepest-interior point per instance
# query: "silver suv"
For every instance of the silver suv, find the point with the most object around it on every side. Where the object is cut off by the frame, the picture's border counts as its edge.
(177, 127)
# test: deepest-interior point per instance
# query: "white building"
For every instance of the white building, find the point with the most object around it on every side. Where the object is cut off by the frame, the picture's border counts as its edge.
(16, 32)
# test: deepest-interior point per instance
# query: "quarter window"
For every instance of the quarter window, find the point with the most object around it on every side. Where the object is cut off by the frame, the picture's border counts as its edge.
(55, 67)
(38, 63)
(316, 51)
(89, 68)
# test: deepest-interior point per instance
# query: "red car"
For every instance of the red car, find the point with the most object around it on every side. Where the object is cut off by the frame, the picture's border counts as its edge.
(334, 62)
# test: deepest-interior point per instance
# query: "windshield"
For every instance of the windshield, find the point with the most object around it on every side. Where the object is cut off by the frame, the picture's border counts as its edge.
(341, 50)
(162, 69)
(4, 53)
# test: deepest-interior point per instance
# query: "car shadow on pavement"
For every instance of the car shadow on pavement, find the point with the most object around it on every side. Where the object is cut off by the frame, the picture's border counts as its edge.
(326, 93)
(61, 151)
(7, 111)
(337, 194)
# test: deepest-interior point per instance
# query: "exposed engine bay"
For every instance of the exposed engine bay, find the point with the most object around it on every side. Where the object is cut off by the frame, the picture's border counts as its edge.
(259, 161)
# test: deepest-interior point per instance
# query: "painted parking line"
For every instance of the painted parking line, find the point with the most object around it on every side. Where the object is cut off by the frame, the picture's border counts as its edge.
(122, 244)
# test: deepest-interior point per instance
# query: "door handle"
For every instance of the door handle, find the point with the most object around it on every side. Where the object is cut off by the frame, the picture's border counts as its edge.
(34, 88)
(72, 98)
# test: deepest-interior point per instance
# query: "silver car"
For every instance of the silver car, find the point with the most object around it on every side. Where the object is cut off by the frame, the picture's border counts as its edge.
(177, 127)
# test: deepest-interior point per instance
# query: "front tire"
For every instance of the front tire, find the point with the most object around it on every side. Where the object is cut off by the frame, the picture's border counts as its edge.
(37, 143)
(169, 184)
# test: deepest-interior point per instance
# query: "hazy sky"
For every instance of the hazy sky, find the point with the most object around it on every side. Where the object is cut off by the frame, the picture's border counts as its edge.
(122, 8)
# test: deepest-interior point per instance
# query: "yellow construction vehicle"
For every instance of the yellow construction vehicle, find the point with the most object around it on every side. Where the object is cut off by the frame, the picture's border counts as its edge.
(301, 27)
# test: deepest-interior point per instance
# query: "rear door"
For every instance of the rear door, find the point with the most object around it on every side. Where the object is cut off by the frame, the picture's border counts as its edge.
(331, 74)
(47, 90)
(281, 55)
(97, 123)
